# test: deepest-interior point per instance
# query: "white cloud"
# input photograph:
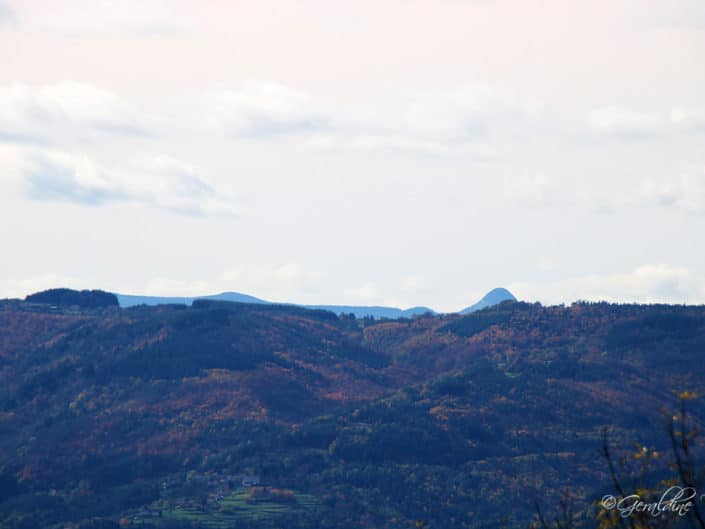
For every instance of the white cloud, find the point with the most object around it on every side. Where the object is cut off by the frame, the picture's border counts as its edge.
(653, 283)
(469, 113)
(685, 192)
(687, 120)
(160, 182)
(46, 113)
(625, 123)
(263, 110)
(681, 188)
(464, 120)
(448, 122)
(531, 189)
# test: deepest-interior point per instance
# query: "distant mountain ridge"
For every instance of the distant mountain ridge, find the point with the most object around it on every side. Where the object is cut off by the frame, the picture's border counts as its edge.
(128, 300)
(493, 297)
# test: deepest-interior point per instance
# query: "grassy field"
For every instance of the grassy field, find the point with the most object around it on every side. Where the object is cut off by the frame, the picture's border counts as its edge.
(235, 507)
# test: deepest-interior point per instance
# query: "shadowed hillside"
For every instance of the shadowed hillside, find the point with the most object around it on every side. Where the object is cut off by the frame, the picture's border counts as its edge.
(260, 415)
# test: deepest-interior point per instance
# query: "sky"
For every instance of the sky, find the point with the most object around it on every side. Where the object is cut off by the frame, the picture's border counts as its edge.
(395, 152)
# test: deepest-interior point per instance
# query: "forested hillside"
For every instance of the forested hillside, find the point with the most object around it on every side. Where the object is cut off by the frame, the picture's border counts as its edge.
(237, 415)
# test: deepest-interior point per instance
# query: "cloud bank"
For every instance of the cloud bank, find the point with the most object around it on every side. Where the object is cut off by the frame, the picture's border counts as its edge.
(54, 113)
(160, 182)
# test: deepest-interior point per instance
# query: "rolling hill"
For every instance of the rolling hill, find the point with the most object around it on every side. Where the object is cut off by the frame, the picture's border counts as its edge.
(225, 414)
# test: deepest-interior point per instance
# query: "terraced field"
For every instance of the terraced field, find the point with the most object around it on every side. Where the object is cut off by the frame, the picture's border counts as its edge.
(238, 506)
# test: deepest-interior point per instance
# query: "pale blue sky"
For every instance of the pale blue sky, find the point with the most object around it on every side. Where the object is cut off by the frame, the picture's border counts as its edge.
(400, 152)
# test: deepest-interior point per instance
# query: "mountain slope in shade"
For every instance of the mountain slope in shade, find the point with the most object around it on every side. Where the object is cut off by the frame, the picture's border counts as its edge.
(129, 413)
(493, 297)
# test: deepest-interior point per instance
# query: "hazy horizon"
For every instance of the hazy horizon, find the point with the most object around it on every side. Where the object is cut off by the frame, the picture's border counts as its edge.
(419, 304)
